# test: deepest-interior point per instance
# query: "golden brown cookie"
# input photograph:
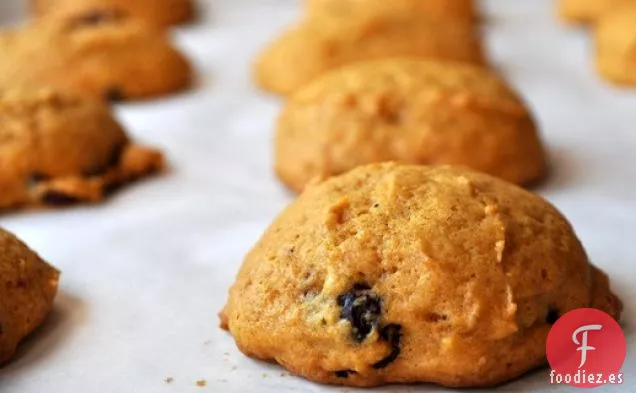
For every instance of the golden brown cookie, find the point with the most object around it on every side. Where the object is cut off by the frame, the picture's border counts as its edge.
(411, 111)
(58, 148)
(615, 36)
(161, 13)
(320, 44)
(587, 11)
(28, 286)
(104, 54)
(453, 10)
(401, 274)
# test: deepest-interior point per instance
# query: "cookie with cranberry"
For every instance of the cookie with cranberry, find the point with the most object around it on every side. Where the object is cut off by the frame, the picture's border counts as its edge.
(403, 274)
(61, 148)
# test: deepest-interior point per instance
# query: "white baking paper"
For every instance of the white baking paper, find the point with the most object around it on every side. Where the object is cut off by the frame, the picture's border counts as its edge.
(145, 274)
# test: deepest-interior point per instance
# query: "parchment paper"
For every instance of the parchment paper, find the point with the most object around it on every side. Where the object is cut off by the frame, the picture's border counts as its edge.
(145, 274)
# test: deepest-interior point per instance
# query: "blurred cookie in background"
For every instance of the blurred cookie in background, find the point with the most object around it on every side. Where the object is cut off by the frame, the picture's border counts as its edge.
(452, 10)
(615, 36)
(60, 148)
(587, 11)
(28, 286)
(102, 53)
(320, 44)
(161, 13)
(410, 111)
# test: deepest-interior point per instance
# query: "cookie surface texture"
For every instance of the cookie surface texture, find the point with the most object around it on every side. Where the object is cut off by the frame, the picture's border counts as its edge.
(28, 286)
(104, 54)
(320, 44)
(400, 274)
(588, 11)
(61, 148)
(452, 10)
(615, 37)
(161, 13)
(411, 111)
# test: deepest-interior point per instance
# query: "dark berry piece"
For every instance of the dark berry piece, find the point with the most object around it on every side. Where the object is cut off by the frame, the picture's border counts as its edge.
(361, 287)
(114, 94)
(97, 17)
(343, 373)
(57, 198)
(552, 316)
(113, 161)
(111, 188)
(391, 333)
(36, 177)
(362, 308)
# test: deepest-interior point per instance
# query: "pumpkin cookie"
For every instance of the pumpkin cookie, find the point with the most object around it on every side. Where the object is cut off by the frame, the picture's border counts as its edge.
(320, 44)
(102, 53)
(58, 148)
(452, 10)
(411, 111)
(588, 11)
(28, 286)
(161, 13)
(615, 36)
(402, 274)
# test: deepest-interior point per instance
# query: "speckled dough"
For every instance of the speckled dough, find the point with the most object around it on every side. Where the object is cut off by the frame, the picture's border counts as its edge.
(104, 54)
(588, 11)
(27, 288)
(411, 111)
(321, 44)
(615, 37)
(59, 148)
(161, 13)
(399, 274)
(453, 10)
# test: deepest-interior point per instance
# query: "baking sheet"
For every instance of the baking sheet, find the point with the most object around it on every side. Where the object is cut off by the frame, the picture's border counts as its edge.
(145, 274)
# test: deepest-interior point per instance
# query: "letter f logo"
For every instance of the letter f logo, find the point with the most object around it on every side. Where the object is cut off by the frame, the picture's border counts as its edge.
(583, 344)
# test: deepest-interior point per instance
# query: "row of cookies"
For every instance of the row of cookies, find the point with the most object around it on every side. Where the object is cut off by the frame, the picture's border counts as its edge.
(614, 27)
(373, 81)
(60, 143)
(405, 272)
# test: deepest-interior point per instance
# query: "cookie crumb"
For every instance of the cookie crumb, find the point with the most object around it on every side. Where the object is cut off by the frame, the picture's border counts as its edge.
(201, 383)
(169, 379)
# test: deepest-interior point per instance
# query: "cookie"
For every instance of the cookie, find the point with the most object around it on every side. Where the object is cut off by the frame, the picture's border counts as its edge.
(452, 10)
(320, 44)
(28, 286)
(587, 11)
(160, 13)
(103, 53)
(402, 274)
(59, 148)
(411, 111)
(615, 37)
